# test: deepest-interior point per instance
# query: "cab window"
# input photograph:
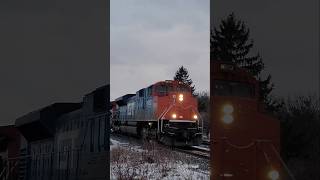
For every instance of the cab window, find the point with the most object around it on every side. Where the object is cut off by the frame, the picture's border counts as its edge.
(225, 88)
(183, 88)
(162, 89)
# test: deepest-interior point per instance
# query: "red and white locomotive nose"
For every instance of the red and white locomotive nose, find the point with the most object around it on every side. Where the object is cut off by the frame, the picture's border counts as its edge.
(182, 108)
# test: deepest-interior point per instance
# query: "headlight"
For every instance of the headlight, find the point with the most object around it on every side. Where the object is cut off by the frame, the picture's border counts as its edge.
(273, 175)
(181, 97)
(227, 118)
(195, 116)
(228, 109)
(174, 116)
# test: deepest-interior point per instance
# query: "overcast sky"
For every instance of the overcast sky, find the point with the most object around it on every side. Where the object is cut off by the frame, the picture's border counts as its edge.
(286, 33)
(55, 51)
(150, 39)
(50, 51)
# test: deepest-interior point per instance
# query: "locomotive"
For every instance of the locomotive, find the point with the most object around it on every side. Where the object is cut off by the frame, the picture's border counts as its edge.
(166, 111)
(246, 140)
(65, 141)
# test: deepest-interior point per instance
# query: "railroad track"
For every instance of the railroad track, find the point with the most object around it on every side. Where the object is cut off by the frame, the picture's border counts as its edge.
(195, 151)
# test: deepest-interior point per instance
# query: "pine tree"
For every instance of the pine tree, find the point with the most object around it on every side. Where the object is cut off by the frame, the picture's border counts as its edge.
(182, 75)
(230, 42)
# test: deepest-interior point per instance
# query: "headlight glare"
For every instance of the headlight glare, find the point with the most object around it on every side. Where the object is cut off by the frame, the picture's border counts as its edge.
(228, 119)
(181, 97)
(174, 116)
(273, 175)
(228, 109)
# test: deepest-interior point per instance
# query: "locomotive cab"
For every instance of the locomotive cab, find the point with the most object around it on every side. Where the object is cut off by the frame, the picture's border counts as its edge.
(178, 122)
(244, 139)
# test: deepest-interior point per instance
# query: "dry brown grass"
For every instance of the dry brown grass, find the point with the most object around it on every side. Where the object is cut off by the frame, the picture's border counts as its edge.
(131, 163)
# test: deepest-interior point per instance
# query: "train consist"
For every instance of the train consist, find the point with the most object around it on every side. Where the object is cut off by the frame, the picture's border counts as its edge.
(166, 110)
(66, 141)
(245, 140)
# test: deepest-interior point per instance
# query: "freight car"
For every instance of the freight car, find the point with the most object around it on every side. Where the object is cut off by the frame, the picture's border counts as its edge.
(245, 140)
(166, 110)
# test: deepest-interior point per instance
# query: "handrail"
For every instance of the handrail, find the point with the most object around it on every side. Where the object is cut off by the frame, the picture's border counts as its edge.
(2, 173)
(282, 162)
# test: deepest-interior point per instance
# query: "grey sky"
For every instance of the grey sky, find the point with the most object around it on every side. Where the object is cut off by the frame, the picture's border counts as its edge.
(50, 51)
(150, 39)
(55, 51)
(286, 33)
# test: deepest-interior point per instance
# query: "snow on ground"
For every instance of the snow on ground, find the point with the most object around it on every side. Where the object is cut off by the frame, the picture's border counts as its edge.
(131, 160)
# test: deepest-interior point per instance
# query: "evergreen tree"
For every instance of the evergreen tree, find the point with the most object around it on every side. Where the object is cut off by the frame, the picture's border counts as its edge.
(204, 108)
(230, 42)
(203, 101)
(182, 75)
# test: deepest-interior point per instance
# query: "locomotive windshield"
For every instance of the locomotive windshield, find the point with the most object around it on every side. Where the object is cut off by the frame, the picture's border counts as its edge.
(227, 88)
(183, 88)
(163, 89)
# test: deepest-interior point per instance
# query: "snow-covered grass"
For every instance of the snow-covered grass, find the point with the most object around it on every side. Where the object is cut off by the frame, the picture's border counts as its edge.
(153, 161)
